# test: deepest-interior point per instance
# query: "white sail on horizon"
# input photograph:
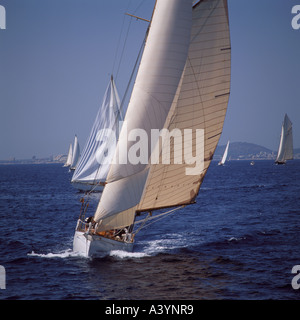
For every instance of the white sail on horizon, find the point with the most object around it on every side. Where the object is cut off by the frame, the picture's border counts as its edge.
(69, 157)
(76, 154)
(223, 160)
(285, 150)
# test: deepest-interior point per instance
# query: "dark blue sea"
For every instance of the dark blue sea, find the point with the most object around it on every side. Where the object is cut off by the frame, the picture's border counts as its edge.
(240, 240)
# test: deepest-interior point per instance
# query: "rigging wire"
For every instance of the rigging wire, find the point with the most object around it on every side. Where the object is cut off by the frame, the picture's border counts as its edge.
(161, 216)
(119, 40)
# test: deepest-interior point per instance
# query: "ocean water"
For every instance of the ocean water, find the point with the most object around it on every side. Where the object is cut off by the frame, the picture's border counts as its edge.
(239, 241)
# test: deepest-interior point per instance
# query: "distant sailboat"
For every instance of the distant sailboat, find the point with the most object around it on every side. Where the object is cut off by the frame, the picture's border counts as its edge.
(183, 83)
(75, 155)
(223, 160)
(285, 150)
(69, 157)
(92, 168)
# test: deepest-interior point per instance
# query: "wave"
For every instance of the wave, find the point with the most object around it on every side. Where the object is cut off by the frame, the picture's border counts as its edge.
(124, 254)
(62, 254)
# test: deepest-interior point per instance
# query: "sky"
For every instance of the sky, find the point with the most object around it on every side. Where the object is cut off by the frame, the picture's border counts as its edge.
(56, 58)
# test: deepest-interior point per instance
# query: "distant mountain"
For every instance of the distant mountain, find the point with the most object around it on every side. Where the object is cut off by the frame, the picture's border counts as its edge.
(245, 150)
(297, 153)
(249, 151)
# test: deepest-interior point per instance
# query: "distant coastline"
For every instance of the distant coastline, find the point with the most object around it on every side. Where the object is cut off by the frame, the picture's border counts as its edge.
(237, 151)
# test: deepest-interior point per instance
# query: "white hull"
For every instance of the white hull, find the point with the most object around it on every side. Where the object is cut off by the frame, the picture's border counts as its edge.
(87, 187)
(97, 246)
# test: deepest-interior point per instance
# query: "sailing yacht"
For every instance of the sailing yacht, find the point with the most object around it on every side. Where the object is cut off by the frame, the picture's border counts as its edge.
(69, 157)
(76, 154)
(183, 83)
(285, 150)
(91, 171)
(223, 160)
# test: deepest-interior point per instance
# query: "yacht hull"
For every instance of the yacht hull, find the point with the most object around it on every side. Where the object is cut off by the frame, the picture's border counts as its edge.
(96, 246)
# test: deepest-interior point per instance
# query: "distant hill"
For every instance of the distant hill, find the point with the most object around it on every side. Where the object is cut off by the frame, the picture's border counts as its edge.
(245, 150)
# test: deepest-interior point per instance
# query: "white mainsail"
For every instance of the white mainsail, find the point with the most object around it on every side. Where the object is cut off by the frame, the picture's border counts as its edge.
(76, 154)
(285, 150)
(223, 160)
(186, 86)
(69, 157)
(99, 149)
(158, 77)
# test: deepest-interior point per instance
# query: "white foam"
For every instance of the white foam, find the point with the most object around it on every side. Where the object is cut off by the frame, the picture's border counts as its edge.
(63, 254)
(124, 254)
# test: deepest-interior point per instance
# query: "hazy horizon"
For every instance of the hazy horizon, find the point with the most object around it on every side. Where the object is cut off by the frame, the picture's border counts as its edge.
(56, 59)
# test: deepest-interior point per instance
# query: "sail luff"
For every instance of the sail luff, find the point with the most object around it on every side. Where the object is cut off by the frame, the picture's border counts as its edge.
(159, 74)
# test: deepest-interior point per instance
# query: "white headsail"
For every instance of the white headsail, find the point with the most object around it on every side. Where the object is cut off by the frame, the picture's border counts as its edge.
(95, 160)
(285, 150)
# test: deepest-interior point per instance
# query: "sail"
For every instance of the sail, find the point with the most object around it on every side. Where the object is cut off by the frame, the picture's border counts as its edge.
(202, 104)
(76, 154)
(223, 160)
(69, 157)
(157, 81)
(99, 149)
(285, 150)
